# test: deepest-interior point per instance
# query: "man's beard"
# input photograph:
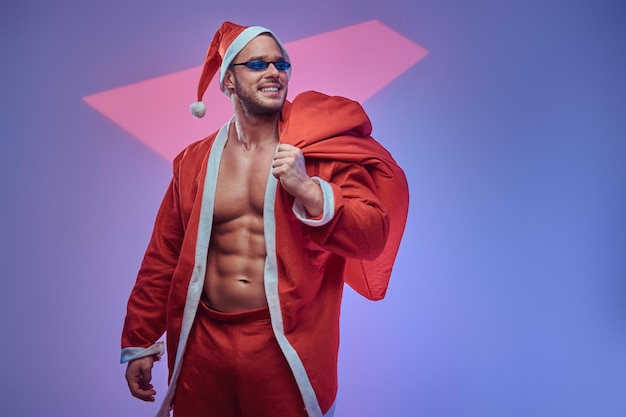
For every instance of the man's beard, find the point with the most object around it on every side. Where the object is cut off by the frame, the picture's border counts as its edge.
(253, 105)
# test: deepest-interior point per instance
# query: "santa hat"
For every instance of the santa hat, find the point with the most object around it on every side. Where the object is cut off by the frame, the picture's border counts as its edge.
(227, 42)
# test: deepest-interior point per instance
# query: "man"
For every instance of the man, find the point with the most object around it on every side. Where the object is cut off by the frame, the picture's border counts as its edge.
(262, 224)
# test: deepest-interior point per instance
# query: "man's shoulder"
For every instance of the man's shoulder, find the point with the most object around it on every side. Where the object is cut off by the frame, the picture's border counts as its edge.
(195, 152)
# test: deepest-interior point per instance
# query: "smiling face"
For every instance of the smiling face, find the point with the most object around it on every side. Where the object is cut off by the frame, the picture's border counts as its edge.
(260, 92)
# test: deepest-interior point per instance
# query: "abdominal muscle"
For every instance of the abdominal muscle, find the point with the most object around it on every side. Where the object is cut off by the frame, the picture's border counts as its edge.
(235, 265)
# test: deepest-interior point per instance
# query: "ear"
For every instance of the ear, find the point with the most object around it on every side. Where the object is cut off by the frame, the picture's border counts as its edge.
(229, 80)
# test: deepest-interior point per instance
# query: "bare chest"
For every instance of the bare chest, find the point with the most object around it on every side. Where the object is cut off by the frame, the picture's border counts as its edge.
(241, 183)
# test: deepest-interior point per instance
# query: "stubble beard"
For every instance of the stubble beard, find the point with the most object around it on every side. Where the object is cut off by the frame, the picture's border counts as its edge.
(253, 105)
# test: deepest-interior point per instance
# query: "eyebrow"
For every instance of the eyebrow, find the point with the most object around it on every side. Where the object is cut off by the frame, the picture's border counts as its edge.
(265, 58)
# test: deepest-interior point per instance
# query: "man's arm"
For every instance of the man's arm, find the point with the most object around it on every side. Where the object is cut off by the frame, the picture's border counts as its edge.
(357, 225)
(146, 311)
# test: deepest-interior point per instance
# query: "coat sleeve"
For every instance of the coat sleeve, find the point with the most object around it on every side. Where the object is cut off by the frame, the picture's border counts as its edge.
(146, 310)
(370, 201)
(360, 225)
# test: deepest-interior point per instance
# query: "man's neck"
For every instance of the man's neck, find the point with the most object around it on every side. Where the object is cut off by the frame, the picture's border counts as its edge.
(255, 131)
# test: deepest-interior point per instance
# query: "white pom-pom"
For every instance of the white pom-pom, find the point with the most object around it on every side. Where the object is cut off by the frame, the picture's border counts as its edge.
(198, 109)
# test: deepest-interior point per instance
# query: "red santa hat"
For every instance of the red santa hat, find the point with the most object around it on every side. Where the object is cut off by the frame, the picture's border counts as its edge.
(227, 42)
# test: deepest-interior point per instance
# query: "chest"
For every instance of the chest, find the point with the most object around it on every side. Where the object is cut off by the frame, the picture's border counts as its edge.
(241, 182)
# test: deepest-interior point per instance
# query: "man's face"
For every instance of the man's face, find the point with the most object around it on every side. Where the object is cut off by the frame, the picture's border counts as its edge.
(261, 92)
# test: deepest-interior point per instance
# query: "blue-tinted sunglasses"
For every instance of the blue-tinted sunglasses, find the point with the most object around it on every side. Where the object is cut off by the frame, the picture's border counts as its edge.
(258, 65)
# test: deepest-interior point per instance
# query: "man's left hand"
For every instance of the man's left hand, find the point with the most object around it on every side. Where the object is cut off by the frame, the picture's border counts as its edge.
(289, 167)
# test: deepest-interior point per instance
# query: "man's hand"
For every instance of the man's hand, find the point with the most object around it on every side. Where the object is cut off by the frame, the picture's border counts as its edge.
(138, 376)
(289, 167)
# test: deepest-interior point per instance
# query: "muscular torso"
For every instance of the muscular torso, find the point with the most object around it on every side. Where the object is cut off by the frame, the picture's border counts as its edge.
(236, 257)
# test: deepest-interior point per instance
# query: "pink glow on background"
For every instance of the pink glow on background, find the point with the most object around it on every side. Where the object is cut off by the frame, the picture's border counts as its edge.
(344, 62)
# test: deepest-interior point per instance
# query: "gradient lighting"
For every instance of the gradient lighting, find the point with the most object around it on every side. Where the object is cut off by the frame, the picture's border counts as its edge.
(508, 295)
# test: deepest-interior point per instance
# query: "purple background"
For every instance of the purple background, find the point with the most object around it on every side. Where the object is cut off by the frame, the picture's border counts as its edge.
(508, 296)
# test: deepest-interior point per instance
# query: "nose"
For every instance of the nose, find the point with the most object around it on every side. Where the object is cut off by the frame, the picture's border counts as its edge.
(272, 68)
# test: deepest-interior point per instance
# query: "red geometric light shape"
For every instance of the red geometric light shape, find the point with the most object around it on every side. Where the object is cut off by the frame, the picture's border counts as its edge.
(355, 62)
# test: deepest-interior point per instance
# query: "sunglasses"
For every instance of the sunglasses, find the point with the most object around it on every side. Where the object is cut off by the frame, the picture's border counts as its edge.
(258, 65)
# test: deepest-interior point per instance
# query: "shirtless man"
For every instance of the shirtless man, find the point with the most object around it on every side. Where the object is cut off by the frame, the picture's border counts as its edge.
(236, 261)
(243, 355)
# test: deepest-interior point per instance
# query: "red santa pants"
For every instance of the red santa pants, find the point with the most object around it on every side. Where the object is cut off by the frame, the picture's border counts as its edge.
(233, 367)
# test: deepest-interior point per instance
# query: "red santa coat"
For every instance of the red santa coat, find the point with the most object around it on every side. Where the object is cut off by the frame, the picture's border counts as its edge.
(308, 261)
